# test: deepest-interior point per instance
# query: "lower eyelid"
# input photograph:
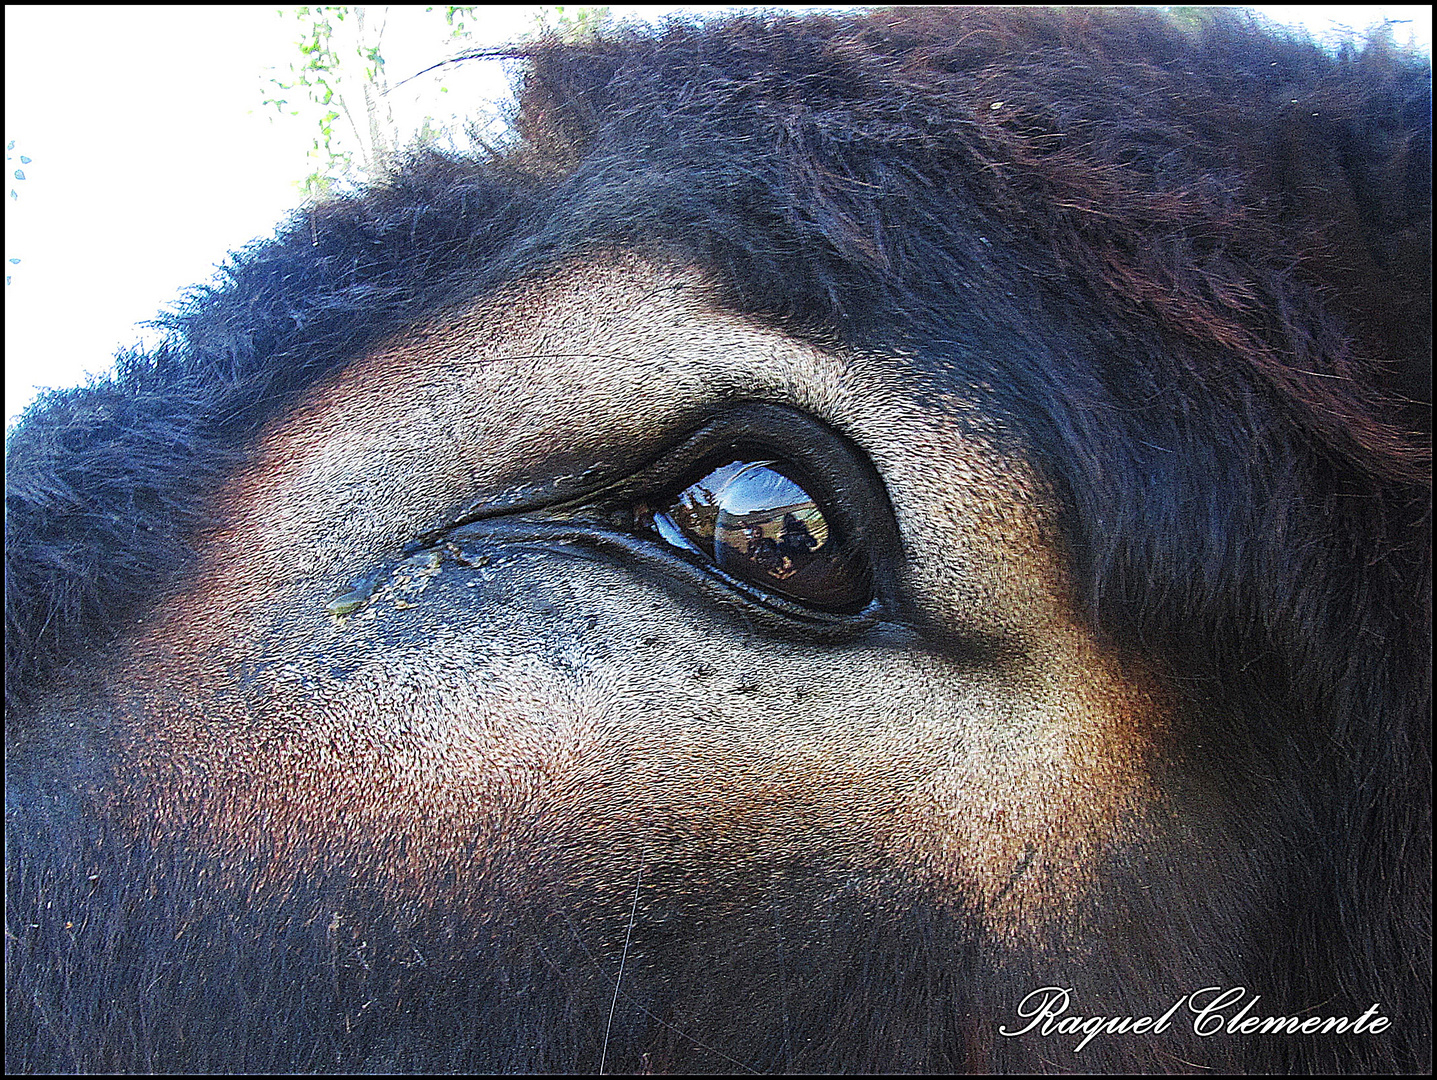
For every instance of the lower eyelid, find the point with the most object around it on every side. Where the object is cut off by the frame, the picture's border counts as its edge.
(476, 540)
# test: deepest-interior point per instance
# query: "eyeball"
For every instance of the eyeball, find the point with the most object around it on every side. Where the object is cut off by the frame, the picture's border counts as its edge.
(757, 523)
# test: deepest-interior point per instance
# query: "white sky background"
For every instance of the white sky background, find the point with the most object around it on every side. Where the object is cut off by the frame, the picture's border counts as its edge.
(152, 155)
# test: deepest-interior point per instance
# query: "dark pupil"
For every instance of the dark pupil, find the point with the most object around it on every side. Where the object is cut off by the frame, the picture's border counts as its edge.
(757, 524)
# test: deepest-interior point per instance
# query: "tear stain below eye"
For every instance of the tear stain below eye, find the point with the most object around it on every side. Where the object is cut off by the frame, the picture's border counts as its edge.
(358, 595)
(409, 575)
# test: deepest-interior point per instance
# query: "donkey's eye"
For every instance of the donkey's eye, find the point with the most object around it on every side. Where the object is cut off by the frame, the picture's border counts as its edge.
(761, 508)
(757, 521)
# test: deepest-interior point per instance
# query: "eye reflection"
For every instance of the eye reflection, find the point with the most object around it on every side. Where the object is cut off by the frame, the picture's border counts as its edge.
(758, 524)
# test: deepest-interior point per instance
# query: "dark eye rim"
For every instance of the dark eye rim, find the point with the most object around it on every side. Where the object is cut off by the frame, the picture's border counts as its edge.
(833, 470)
(769, 609)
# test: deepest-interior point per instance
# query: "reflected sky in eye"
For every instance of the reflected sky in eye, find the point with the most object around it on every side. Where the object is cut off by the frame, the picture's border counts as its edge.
(757, 486)
(710, 490)
(674, 535)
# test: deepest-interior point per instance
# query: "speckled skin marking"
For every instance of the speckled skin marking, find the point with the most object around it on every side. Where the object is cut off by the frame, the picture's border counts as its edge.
(531, 707)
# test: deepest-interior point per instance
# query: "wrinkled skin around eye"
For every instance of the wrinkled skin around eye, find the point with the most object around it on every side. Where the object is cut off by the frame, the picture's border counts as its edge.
(756, 523)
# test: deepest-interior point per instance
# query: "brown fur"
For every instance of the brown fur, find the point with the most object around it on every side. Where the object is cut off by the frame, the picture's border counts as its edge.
(357, 721)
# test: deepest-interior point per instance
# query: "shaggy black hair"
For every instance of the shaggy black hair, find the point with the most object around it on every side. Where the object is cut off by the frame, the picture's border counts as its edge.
(1233, 225)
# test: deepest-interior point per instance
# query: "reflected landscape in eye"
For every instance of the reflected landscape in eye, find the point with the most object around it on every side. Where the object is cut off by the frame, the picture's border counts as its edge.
(758, 524)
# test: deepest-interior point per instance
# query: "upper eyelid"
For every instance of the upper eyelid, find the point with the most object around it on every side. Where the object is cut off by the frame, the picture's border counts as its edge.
(690, 457)
(753, 429)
